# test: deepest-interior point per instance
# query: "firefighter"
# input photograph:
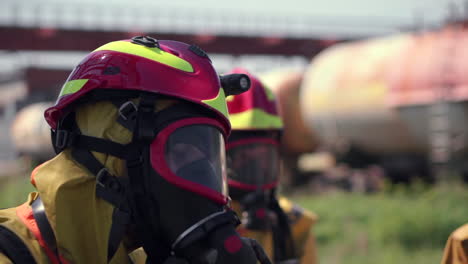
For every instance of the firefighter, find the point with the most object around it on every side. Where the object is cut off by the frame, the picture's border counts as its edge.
(139, 129)
(456, 249)
(253, 160)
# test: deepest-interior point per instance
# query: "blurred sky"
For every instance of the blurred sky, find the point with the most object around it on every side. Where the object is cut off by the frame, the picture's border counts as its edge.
(402, 11)
(384, 8)
(387, 9)
(364, 17)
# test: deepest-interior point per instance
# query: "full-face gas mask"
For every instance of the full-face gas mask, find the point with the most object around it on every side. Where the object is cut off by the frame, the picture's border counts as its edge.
(253, 162)
(181, 198)
(253, 169)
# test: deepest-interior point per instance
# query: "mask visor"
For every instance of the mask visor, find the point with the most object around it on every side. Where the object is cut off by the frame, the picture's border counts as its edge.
(190, 154)
(253, 163)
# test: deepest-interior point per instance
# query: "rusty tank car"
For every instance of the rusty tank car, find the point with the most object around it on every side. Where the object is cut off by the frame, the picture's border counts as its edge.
(398, 101)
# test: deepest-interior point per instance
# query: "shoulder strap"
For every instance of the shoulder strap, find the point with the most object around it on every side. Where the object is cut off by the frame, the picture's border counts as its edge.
(44, 225)
(12, 246)
(283, 243)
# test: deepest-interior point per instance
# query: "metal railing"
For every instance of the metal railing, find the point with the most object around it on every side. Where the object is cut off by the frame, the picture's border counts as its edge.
(218, 21)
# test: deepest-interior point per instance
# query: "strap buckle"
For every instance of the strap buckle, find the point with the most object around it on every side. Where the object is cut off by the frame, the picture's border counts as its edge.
(128, 110)
(145, 130)
(62, 138)
(102, 177)
(105, 180)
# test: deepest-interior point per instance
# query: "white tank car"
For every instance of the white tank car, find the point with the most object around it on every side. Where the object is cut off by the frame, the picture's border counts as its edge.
(31, 134)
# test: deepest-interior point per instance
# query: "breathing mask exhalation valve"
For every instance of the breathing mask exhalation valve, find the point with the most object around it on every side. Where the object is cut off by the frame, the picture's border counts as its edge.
(257, 215)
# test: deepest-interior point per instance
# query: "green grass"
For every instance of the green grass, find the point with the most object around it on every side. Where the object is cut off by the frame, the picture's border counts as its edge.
(14, 190)
(407, 225)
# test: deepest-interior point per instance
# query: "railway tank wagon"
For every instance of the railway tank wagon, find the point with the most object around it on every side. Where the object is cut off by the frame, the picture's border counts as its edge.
(399, 101)
(31, 134)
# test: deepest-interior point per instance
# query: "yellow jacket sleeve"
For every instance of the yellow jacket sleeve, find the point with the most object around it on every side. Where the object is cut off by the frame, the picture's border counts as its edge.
(4, 259)
(302, 222)
(310, 251)
(456, 249)
(138, 256)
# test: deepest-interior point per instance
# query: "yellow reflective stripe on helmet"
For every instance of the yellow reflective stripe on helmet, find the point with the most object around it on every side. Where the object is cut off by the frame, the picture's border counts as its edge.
(72, 86)
(218, 103)
(255, 119)
(269, 93)
(154, 54)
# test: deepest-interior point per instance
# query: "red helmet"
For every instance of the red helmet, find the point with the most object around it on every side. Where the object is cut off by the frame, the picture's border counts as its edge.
(255, 109)
(144, 64)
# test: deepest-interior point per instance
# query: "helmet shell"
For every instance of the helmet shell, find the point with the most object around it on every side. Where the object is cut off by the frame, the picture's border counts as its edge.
(171, 68)
(255, 109)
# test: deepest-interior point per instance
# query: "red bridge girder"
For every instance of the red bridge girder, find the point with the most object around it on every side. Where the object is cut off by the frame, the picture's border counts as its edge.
(52, 39)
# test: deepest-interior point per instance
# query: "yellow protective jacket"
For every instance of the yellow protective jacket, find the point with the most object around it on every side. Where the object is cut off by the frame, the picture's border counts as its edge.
(456, 249)
(80, 221)
(302, 222)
